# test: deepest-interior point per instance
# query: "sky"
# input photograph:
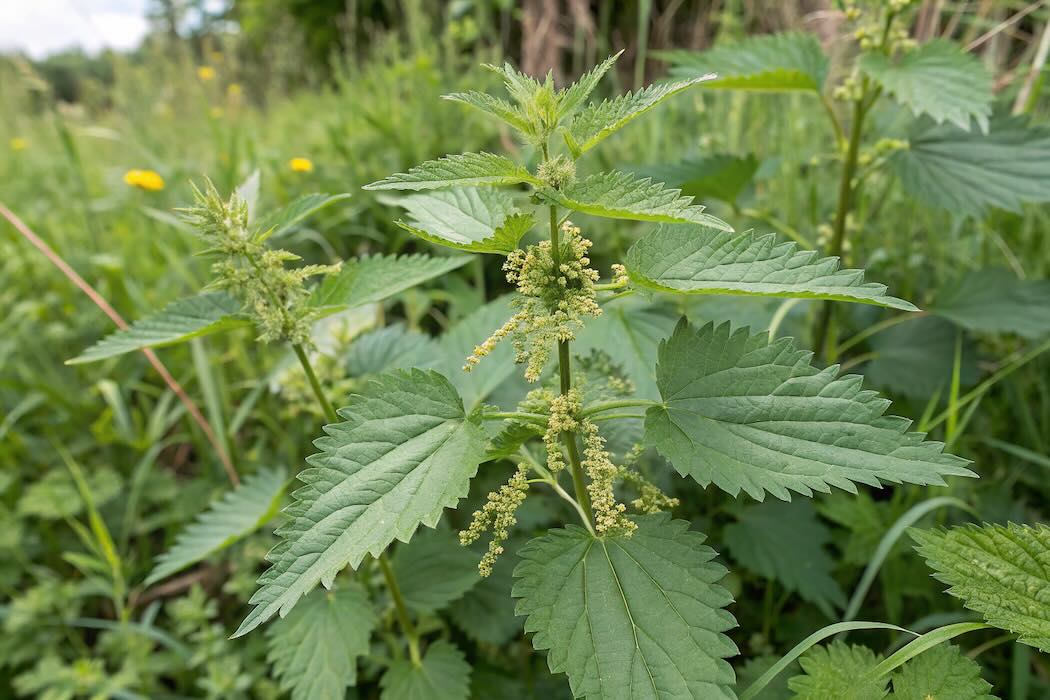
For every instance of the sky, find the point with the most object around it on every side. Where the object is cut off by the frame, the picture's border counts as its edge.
(40, 27)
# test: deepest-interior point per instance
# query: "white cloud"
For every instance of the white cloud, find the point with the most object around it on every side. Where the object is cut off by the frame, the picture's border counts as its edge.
(40, 27)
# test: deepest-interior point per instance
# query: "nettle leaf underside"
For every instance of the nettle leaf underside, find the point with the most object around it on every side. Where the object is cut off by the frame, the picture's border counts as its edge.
(404, 452)
(701, 260)
(1001, 572)
(178, 322)
(617, 195)
(464, 170)
(478, 220)
(629, 617)
(754, 416)
(373, 278)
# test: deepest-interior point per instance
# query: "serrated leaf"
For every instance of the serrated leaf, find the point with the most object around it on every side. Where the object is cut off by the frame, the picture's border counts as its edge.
(937, 79)
(404, 452)
(691, 259)
(472, 219)
(794, 556)
(464, 170)
(754, 416)
(1001, 572)
(314, 650)
(180, 321)
(839, 671)
(916, 359)
(495, 106)
(443, 675)
(227, 521)
(752, 670)
(597, 121)
(283, 220)
(721, 176)
(374, 278)
(995, 300)
(570, 99)
(617, 195)
(967, 173)
(942, 673)
(629, 617)
(434, 569)
(774, 63)
(387, 348)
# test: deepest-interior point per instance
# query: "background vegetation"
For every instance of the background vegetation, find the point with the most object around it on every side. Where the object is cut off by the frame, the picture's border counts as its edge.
(354, 88)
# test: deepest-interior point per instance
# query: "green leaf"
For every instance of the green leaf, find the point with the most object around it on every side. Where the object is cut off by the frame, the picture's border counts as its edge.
(794, 556)
(942, 673)
(773, 63)
(629, 617)
(472, 219)
(752, 670)
(937, 79)
(180, 321)
(597, 121)
(968, 172)
(387, 348)
(464, 170)
(995, 300)
(570, 99)
(699, 260)
(486, 612)
(240, 513)
(374, 278)
(283, 220)
(747, 414)
(916, 359)
(721, 176)
(838, 671)
(434, 569)
(494, 106)
(314, 650)
(998, 571)
(617, 195)
(404, 452)
(443, 675)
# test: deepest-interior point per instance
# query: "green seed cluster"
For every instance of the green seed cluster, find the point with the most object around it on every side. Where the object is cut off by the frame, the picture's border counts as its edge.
(274, 295)
(497, 515)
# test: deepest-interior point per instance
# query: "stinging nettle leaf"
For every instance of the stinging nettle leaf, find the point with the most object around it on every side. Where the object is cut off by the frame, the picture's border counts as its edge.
(434, 569)
(616, 195)
(597, 121)
(721, 175)
(314, 650)
(628, 618)
(497, 107)
(773, 63)
(937, 79)
(444, 674)
(286, 218)
(404, 452)
(573, 96)
(941, 673)
(1001, 572)
(840, 671)
(374, 278)
(464, 170)
(754, 416)
(967, 172)
(178, 322)
(238, 514)
(995, 300)
(478, 220)
(691, 259)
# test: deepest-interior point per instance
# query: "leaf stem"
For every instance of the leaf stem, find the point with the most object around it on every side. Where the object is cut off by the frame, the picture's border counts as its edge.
(402, 611)
(600, 406)
(516, 415)
(326, 405)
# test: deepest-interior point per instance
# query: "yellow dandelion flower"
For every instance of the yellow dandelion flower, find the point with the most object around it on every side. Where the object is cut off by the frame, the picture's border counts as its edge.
(148, 180)
(301, 165)
(206, 73)
(18, 144)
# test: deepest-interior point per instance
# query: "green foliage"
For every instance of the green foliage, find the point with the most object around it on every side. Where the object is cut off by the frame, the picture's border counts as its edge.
(838, 670)
(942, 673)
(750, 415)
(721, 176)
(376, 277)
(466, 170)
(443, 675)
(285, 219)
(691, 259)
(314, 650)
(994, 300)
(240, 513)
(937, 79)
(774, 63)
(916, 359)
(434, 570)
(998, 571)
(471, 219)
(793, 556)
(404, 452)
(180, 321)
(629, 617)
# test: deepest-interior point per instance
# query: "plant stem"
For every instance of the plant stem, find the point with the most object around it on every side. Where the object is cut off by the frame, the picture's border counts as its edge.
(565, 371)
(600, 406)
(838, 239)
(516, 415)
(384, 564)
(402, 611)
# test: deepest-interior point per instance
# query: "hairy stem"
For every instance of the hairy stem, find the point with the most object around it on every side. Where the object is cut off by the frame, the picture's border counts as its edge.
(599, 406)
